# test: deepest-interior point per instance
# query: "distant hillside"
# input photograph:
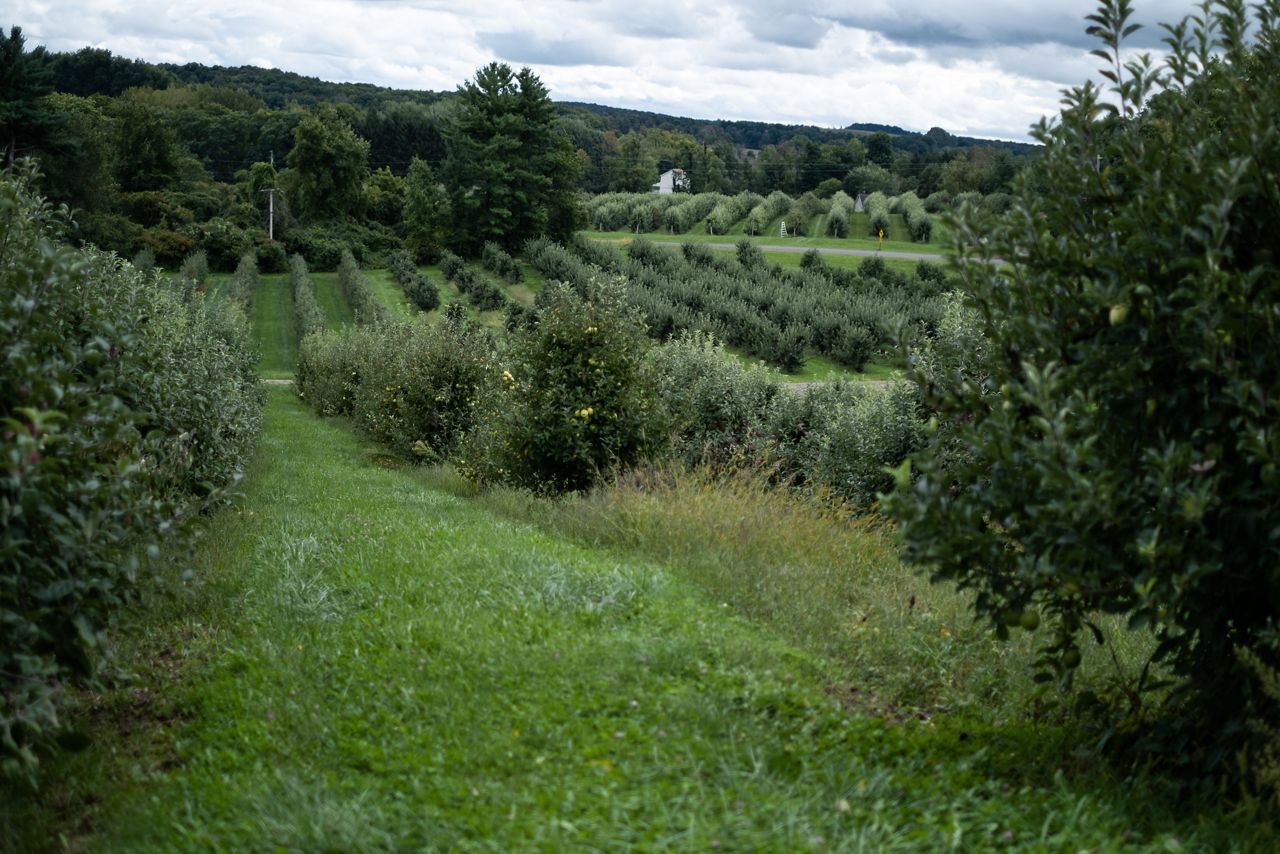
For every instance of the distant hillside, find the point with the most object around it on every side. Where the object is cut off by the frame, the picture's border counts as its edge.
(91, 71)
(279, 89)
(745, 134)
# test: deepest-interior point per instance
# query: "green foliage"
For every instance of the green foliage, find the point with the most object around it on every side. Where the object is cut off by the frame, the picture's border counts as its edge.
(578, 400)
(223, 242)
(510, 170)
(496, 260)
(330, 165)
(715, 408)
(24, 80)
(876, 208)
(807, 208)
(244, 282)
(479, 291)
(145, 261)
(844, 439)
(308, 317)
(125, 409)
(842, 207)
(427, 213)
(413, 387)
(195, 271)
(366, 307)
(919, 223)
(728, 211)
(1122, 447)
(762, 215)
(417, 287)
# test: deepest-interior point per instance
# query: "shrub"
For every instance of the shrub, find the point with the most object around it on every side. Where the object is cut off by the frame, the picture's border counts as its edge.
(496, 260)
(728, 211)
(1129, 462)
(578, 400)
(414, 387)
(366, 307)
(145, 261)
(194, 273)
(222, 241)
(244, 282)
(417, 287)
(713, 407)
(272, 257)
(125, 410)
(845, 438)
(307, 316)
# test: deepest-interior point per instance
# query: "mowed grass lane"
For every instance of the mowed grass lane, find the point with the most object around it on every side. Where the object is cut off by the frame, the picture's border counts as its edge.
(364, 663)
(273, 327)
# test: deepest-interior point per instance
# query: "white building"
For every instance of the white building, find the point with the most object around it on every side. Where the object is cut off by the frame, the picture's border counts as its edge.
(672, 181)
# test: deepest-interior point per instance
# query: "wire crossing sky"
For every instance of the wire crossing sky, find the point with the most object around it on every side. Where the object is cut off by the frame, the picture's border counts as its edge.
(987, 68)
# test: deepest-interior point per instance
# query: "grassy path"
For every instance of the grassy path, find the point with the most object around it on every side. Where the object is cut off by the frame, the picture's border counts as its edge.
(332, 302)
(273, 327)
(368, 664)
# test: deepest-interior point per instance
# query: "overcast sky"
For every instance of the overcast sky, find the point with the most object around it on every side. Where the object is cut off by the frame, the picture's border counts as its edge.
(987, 68)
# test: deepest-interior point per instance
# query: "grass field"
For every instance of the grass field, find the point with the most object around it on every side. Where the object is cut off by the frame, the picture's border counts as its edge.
(389, 293)
(360, 659)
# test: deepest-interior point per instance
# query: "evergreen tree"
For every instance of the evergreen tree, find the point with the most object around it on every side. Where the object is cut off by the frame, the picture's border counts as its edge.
(24, 79)
(510, 171)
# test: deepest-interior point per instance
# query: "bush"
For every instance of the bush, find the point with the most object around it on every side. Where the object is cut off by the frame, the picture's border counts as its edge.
(416, 388)
(1124, 450)
(223, 242)
(496, 260)
(845, 439)
(125, 410)
(195, 271)
(244, 282)
(145, 261)
(842, 208)
(919, 223)
(417, 287)
(366, 307)
(272, 257)
(713, 407)
(578, 400)
(307, 316)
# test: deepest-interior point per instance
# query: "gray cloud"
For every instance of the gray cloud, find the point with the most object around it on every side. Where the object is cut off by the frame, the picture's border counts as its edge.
(526, 49)
(986, 66)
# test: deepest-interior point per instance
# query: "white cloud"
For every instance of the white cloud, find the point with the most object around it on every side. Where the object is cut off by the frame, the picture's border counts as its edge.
(989, 67)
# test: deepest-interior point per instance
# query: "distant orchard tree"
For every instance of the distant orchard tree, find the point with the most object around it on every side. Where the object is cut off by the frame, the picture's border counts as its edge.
(511, 173)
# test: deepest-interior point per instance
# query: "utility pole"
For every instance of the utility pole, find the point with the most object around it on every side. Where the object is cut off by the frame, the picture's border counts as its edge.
(271, 201)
